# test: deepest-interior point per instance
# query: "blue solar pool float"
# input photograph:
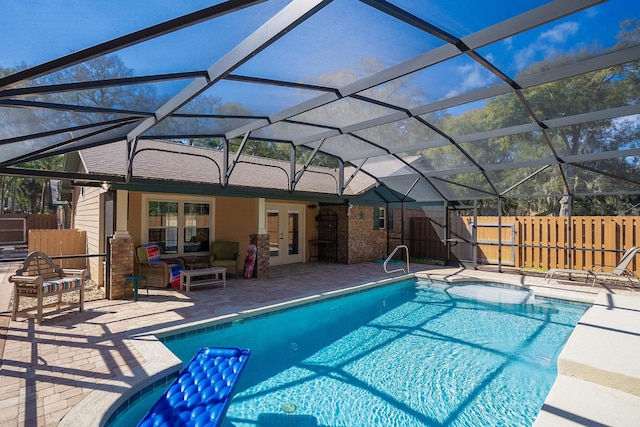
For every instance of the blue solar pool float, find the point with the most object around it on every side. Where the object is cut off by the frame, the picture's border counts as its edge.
(200, 396)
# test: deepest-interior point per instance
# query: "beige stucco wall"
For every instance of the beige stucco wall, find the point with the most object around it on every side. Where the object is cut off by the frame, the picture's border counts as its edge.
(134, 225)
(235, 220)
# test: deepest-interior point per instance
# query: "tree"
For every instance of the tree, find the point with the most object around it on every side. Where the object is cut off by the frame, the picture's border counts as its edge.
(598, 90)
(30, 194)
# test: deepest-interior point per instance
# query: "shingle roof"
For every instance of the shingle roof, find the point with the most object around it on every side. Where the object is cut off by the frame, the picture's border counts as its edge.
(168, 161)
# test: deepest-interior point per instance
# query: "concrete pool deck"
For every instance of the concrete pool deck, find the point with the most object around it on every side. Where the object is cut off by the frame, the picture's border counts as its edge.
(51, 373)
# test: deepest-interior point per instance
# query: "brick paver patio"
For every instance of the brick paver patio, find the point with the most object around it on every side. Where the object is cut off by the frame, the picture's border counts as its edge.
(48, 369)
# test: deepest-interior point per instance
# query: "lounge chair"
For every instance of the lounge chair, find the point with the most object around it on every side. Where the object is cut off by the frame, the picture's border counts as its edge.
(597, 271)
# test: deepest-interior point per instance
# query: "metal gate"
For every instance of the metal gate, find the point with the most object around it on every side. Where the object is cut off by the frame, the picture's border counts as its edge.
(327, 243)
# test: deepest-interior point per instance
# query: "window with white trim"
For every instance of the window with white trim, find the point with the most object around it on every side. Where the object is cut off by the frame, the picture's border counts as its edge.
(382, 218)
(178, 226)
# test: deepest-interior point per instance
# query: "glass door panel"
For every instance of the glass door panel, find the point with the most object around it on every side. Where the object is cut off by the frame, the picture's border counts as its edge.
(286, 233)
(273, 229)
(293, 226)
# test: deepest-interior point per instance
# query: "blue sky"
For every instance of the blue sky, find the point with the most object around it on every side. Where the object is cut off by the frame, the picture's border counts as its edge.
(337, 39)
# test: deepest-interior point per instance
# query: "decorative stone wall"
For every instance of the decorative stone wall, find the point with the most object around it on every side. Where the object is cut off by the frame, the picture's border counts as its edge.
(365, 243)
(121, 261)
(262, 262)
(359, 241)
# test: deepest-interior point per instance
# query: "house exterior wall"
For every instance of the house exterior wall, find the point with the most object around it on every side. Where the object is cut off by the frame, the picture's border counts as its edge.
(365, 243)
(134, 220)
(360, 241)
(235, 220)
(88, 217)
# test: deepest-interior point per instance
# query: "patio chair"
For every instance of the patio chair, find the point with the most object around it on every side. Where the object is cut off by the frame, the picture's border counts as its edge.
(151, 264)
(225, 254)
(617, 271)
(595, 271)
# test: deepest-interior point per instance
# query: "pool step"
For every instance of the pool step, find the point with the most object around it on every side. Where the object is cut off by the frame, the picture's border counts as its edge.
(604, 346)
(598, 373)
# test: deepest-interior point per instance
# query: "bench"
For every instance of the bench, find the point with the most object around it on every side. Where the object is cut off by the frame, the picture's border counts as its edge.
(39, 277)
(203, 277)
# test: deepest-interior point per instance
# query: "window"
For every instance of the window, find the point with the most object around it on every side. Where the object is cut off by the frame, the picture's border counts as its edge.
(163, 226)
(382, 218)
(178, 226)
(196, 228)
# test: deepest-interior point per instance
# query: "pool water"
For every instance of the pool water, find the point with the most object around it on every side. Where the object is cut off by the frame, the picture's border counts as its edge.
(408, 354)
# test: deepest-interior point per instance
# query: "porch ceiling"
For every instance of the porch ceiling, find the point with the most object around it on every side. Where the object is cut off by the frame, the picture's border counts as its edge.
(418, 101)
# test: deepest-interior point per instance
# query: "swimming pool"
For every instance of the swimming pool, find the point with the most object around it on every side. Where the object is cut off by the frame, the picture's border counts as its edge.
(411, 353)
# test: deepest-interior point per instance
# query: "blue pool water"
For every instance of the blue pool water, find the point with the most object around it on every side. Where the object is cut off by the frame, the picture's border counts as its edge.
(407, 354)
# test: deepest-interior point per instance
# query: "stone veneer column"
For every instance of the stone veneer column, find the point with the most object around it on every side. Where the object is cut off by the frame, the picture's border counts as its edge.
(262, 262)
(121, 261)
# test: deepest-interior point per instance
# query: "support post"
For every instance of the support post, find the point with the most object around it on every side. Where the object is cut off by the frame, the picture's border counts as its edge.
(121, 256)
(570, 232)
(499, 234)
(474, 235)
(262, 258)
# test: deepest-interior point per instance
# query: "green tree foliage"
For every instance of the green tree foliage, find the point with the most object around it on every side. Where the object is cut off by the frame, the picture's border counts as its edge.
(599, 90)
(32, 195)
(524, 190)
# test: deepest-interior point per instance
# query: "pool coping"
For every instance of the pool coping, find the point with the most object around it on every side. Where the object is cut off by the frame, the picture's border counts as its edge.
(161, 365)
(596, 385)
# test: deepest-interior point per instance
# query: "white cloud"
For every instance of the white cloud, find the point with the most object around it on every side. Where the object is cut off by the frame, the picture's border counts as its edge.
(473, 76)
(560, 33)
(546, 45)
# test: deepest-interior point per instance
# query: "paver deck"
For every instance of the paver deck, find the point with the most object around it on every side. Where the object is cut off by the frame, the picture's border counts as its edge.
(48, 369)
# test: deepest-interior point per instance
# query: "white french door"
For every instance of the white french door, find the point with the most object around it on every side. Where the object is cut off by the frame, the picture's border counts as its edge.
(285, 226)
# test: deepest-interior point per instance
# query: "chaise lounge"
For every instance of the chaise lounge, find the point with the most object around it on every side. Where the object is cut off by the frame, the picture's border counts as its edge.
(597, 271)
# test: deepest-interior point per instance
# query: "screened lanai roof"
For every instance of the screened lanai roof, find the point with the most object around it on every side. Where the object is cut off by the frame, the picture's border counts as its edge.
(432, 100)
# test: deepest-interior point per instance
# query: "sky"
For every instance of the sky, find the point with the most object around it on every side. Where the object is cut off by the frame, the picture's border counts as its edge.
(330, 48)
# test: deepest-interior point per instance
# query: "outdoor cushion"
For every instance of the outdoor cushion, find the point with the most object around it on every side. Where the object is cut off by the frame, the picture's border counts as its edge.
(153, 253)
(61, 284)
(225, 254)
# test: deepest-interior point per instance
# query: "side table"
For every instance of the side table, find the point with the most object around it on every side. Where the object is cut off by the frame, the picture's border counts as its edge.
(136, 282)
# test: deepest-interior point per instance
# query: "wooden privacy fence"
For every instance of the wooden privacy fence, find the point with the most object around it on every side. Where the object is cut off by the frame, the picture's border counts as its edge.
(14, 228)
(533, 242)
(60, 242)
